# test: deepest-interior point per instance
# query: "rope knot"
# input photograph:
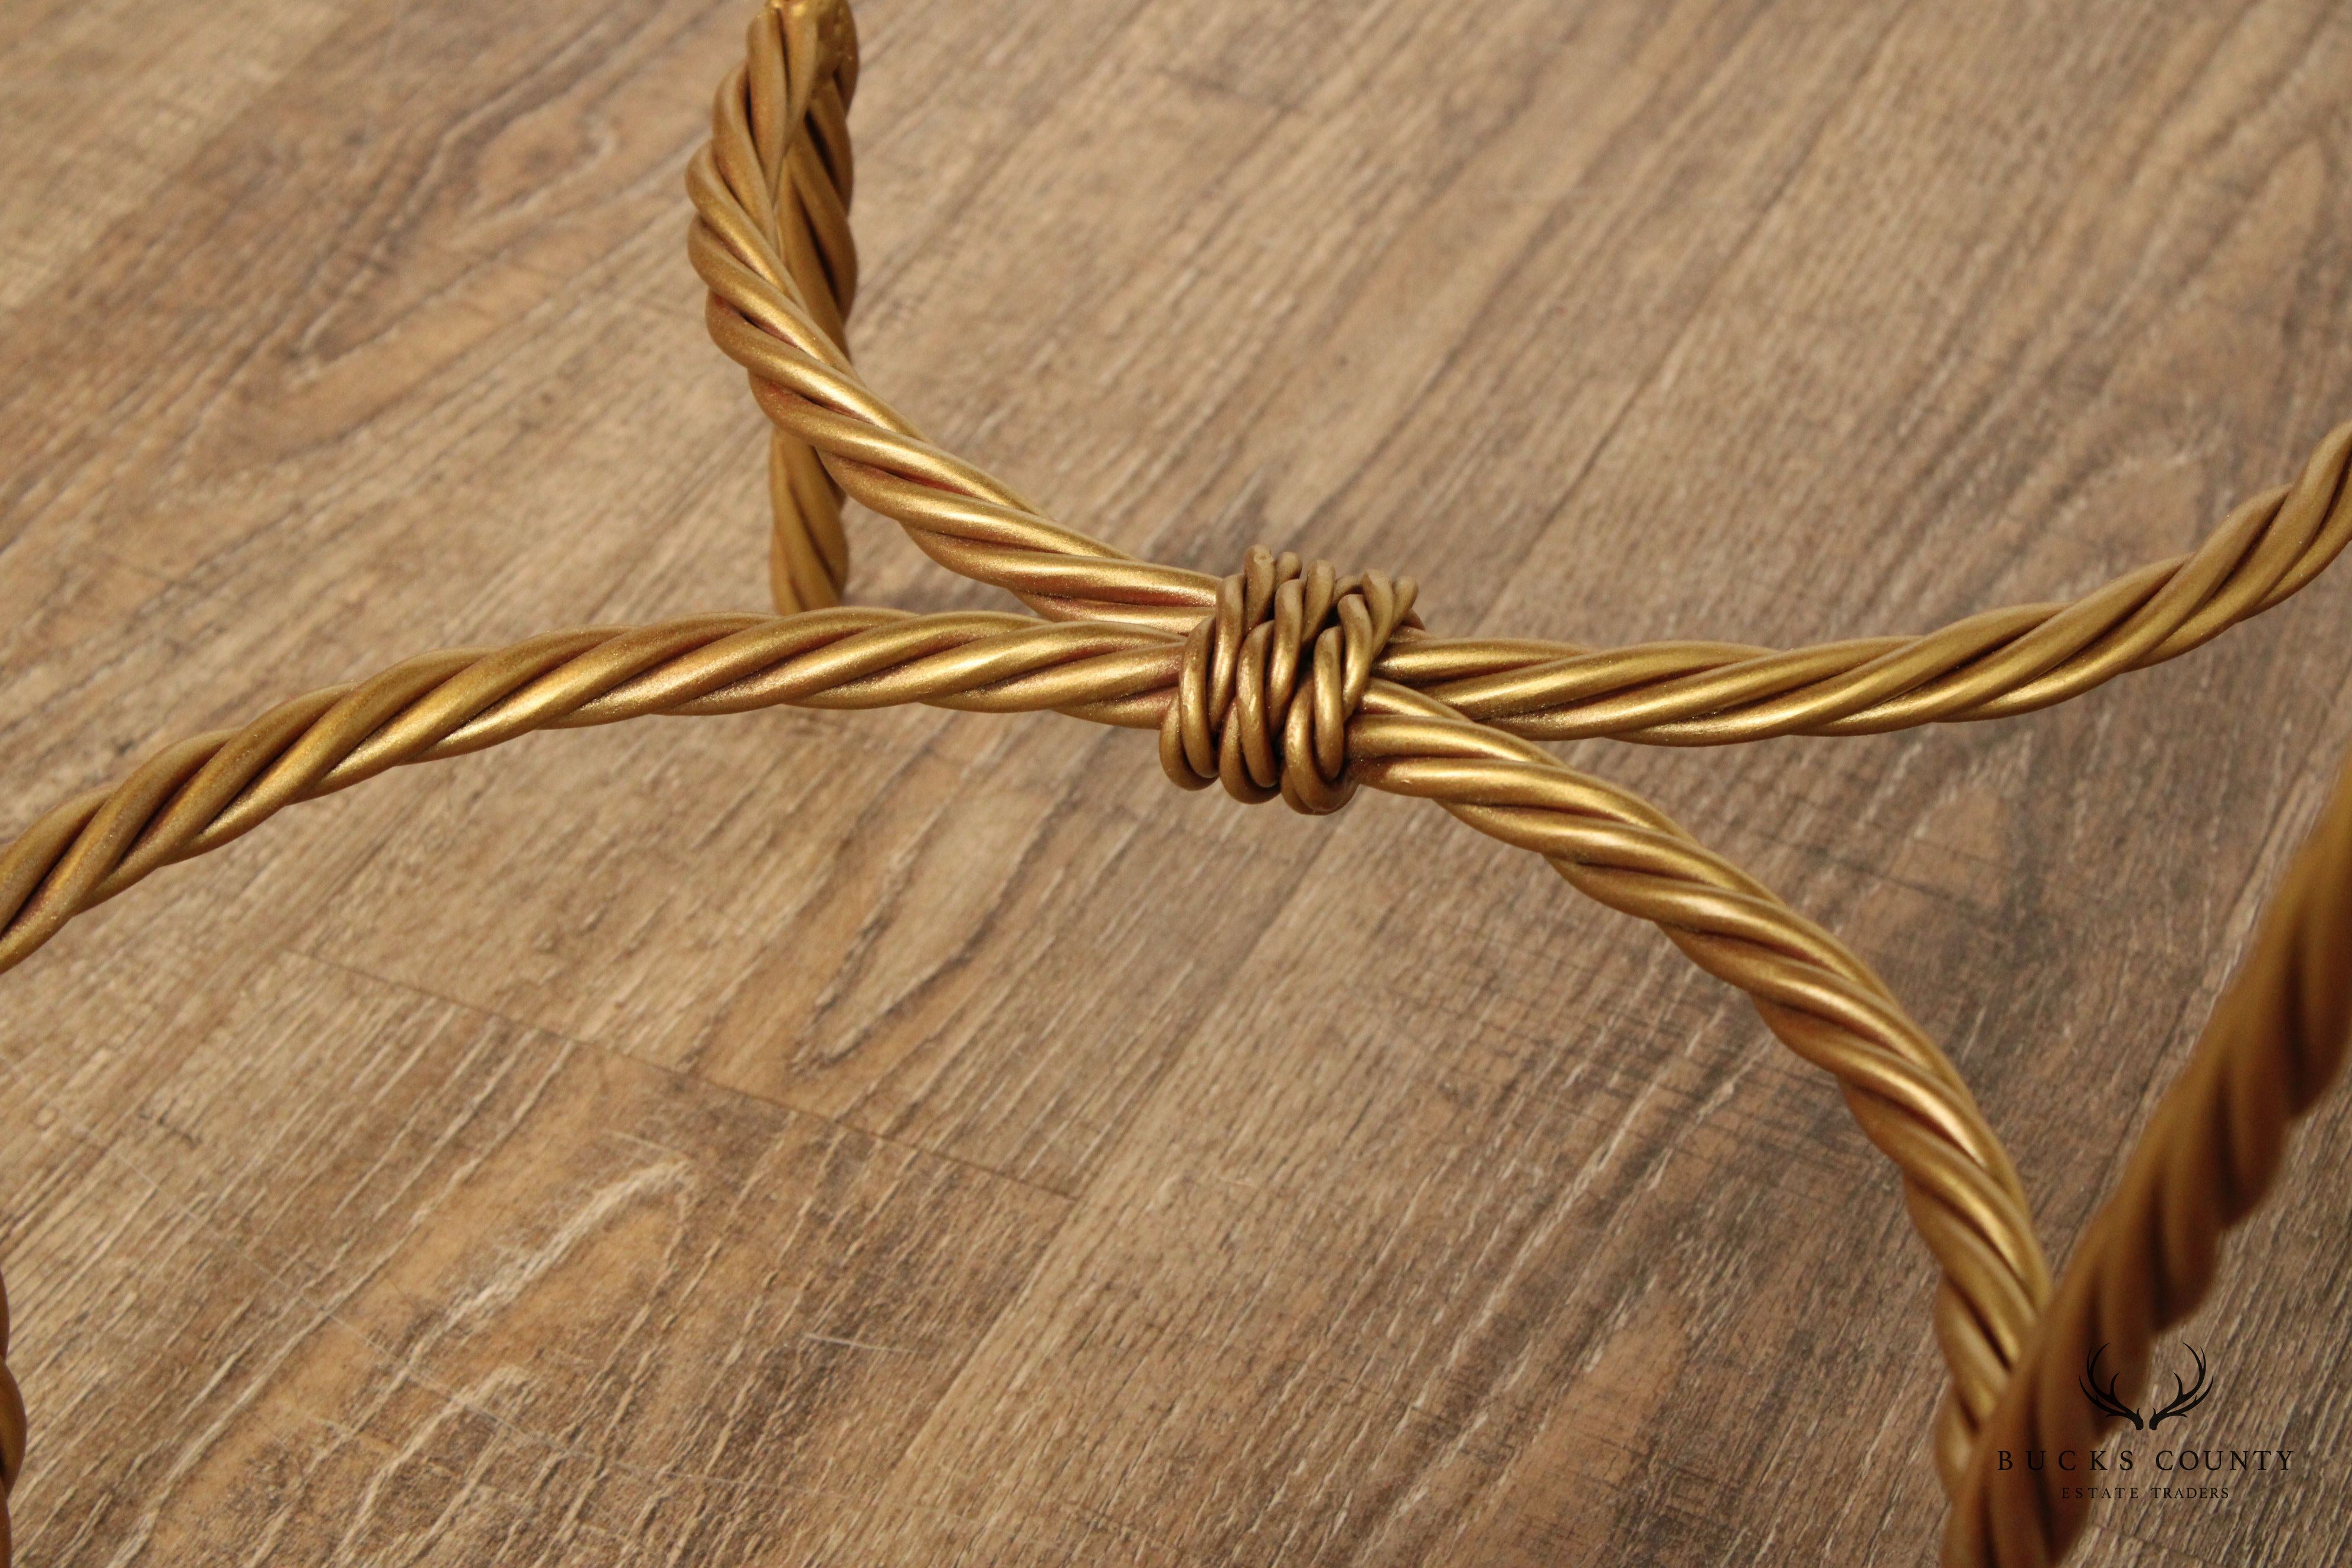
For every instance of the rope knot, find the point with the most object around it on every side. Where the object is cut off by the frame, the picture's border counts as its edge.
(1272, 677)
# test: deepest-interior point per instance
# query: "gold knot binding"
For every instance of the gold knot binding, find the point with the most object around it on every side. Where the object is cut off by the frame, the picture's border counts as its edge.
(1272, 677)
(1266, 694)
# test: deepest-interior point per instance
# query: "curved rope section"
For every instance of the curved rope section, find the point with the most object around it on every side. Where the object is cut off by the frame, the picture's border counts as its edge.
(1994, 665)
(1824, 1003)
(206, 791)
(1288, 678)
(1988, 666)
(1963, 1194)
(2210, 1153)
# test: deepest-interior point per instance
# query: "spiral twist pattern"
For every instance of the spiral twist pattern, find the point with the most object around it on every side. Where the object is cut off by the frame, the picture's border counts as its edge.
(1992, 665)
(2211, 1150)
(1995, 665)
(1963, 1194)
(780, 145)
(1286, 679)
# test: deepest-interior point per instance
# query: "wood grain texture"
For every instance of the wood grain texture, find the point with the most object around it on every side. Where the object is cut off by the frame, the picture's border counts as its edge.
(703, 1142)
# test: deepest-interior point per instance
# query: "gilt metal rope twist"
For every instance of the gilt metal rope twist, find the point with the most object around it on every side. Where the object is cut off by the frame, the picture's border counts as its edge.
(1290, 679)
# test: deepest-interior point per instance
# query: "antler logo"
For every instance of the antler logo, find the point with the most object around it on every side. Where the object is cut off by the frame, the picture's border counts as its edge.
(2185, 1398)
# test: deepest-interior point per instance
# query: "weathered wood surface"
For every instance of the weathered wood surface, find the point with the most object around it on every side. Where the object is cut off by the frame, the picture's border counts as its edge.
(710, 1142)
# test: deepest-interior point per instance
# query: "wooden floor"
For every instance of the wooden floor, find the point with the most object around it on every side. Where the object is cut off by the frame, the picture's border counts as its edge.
(702, 1142)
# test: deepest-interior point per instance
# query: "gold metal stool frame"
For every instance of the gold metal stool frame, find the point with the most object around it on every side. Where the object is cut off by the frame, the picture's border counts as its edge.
(1289, 678)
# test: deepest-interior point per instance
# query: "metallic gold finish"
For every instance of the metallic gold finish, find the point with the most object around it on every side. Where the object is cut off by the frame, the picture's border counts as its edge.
(2210, 1151)
(1964, 1196)
(799, 180)
(1243, 715)
(1289, 678)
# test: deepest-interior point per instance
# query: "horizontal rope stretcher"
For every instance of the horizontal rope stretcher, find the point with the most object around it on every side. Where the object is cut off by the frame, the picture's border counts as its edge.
(1288, 678)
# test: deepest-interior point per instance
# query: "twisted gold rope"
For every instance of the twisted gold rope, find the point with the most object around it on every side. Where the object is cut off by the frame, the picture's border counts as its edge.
(1282, 679)
(2205, 1160)
(1988, 666)
(201, 794)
